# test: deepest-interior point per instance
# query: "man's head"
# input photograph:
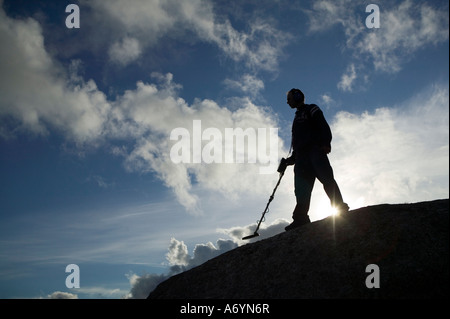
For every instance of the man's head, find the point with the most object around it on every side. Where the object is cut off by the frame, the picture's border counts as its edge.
(295, 98)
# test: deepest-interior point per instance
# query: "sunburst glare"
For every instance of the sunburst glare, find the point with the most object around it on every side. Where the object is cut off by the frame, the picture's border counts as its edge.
(333, 211)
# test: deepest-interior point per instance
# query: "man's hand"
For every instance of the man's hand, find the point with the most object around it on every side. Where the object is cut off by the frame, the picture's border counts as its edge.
(282, 166)
(290, 160)
(285, 162)
(326, 149)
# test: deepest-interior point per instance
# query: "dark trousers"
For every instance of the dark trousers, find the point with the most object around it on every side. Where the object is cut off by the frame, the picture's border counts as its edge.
(309, 166)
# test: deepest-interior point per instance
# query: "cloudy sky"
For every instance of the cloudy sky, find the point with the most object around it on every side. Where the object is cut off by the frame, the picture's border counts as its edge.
(90, 116)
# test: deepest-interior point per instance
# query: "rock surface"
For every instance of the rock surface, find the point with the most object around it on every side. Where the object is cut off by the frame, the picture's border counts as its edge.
(328, 258)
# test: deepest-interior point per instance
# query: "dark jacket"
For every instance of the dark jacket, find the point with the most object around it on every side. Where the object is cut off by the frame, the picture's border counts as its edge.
(309, 129)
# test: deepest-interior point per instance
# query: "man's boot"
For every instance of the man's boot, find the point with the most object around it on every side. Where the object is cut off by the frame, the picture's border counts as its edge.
(300, 218)
(297, 223)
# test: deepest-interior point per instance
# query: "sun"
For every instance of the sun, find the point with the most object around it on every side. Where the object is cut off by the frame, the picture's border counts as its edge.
(333, 211)
(324, 210)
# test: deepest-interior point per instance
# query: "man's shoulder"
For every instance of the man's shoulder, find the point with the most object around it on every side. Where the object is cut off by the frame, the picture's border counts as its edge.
(307, 111)
(311, 106)
(312, 109)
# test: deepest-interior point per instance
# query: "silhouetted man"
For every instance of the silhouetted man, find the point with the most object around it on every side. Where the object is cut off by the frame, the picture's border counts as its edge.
(311, 142)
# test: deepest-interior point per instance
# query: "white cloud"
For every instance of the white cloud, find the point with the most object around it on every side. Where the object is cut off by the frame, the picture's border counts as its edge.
(327, 101)
(93, 292)
(151, 112)
(36, 91)
(142, 285)
(404, 29)
(248, 84)
(325, 14)
(179, 260)
(62, 295)
(41, 96)
(260, 49)
(348, 79)
(178, 253)
(99, 292)
(265, 231)
(125, 51)
(395, 154)
(147, 22)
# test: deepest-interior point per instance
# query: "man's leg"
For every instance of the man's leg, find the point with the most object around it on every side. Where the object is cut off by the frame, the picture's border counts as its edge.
(303, 183)
(324, 173)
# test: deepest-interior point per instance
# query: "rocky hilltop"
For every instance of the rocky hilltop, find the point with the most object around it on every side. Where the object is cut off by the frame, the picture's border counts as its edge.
(382, 251)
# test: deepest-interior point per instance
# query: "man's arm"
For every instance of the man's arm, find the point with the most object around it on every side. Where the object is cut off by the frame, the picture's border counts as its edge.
(286, 162)
(323, 130)
(291, 159)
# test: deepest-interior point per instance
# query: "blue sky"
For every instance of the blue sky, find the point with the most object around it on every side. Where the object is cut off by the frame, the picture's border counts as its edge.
(86, 116)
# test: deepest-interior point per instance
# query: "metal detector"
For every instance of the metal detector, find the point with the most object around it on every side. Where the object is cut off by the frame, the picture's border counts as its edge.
(281, 169)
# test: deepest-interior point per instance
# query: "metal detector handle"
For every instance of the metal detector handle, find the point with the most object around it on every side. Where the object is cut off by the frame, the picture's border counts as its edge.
(255, 234)
(282, 166)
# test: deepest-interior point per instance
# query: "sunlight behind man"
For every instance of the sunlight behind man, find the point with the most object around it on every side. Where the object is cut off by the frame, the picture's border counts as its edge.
(332, 211)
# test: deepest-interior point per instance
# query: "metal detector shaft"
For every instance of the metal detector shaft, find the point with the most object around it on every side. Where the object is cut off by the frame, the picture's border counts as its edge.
(255, 234)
